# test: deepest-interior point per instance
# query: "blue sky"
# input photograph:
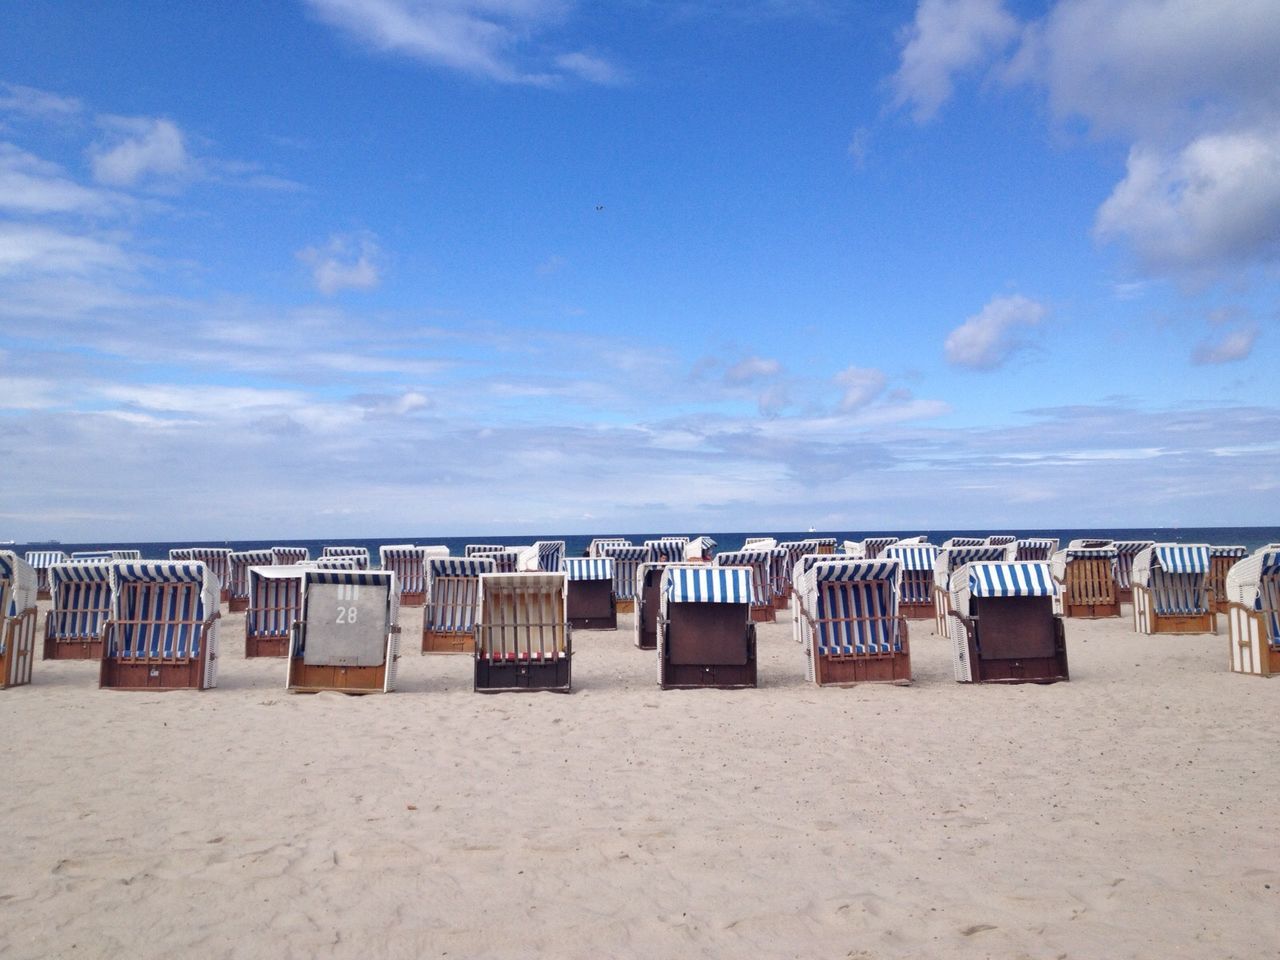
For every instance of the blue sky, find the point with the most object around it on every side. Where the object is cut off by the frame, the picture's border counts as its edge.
(389, 267)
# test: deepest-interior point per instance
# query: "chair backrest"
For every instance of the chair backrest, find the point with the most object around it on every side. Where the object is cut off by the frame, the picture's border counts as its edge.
(81, 592)
(453, 592)
(966, 542)
(872, 546)
(759, 562)
(522, 615)
(216, 559)
(1176, 575)
(950, 559)
(98, 555)
(917, 563)
(40, 561)
(505, 560)
(408, 562)
(159, 609)
(348, 616)
(853, 605)
(1090, 543)
(626, 562)
(1037, 548)
(994, 579)
(275, 600)
(240, 562)
(359, 554)
(588, 568)
(287, 556)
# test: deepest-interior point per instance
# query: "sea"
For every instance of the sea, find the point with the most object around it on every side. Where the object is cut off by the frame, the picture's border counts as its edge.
(1251, 538)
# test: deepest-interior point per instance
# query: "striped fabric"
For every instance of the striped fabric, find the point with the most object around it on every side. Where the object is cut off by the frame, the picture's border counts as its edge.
(40, 561)
(504, 561)
(1180, 594)
(216, 559)
(854, 605)
(480, 549)
(597, 546)
(872, 546)
(1011, 580)
(98, 556)
(20, 580)
(665, 551)
(1270, 563)
(550, 555)
(951, 559)
(81, 599)
(287, 556)
(760, 562)
(1090, 543)
(408, 562)
(806, 563)
(453, 592)
(699, 548)
(238, 585)
(1245, 579)
(1001, 539)
(588, 568)
(1173, 558)
(759, 543)
(1037, 548)
(917, 562)
(1269, 604)
(126, 554)
(275, 600)
(965, 542)
(626, 563)
(1227, 551)
(833, 570)
(1122, 565)
(359, 554)
(702, 584)
(159, 609)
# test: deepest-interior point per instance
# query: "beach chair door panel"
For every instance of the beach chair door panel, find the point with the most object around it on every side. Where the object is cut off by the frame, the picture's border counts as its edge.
(706, 634)
(346, 625)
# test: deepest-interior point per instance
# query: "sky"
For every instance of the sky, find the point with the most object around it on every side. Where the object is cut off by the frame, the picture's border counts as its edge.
(406, 267)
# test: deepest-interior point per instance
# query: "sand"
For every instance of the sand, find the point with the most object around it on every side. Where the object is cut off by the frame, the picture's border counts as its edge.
(1128, 813)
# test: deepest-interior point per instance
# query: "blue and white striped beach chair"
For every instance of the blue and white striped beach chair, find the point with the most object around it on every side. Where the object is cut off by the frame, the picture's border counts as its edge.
(705, 634)
(40, 561)
(348, 637)
(1085, 571)
(1122, 566)
(626, 565)
(1253, 612)
(1170, 589)
(523, 639)
(589, 600)
(17, 619)
(666, 549)
(871, 547)
(81, 593)
(275, 606)
(288, 556)
(550, 555)
(597, 546)
(850, 623)
(162, 634)
(453, 603)
(951, 559)
(760, 563)
(359, 554)
(915, 599)
(1002, 626)
(238, 573)
(1037, 549)
(1221, 559)
(409, 563)
(481, 549)
(217, 561)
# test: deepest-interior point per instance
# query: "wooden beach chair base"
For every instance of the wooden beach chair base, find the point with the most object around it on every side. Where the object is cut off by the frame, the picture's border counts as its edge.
(72, 649)
(923, 610)
(413, 598)
(763, 613)
(708, 645)
(590, 605)
(264, 646)
(502, 676)
(1124, 594)
(44, 595)
(321, 678)
(238, 604)
(1146, 619)
(122, 674)
(625, 606)
(19, 649)
(1090, 611)
(831, 671)
(448, 641)
(1016, 640)
(1251, 649)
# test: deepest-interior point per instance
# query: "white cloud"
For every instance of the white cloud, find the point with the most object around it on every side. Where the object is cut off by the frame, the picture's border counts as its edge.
(16, 98)
(947, 37)
(31, 249)
(987, 339)
(140, 149)
(29, 185)
(751, 370)
(861, 386)
(1229, 347)
(486, 38)
(345, 262)
(1215, 202)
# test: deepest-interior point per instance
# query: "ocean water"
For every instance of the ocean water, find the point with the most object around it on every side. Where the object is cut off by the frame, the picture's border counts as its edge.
(576, 544)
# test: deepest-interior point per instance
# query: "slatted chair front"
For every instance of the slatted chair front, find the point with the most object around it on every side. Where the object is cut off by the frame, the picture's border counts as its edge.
(596, 548)
(162, 632)
(522, 638)
(238, 585)
(1221, 560)
(948, 561)
(409, 563)
(453, 602)
(275, 606)
(851, 621)
(81, 593)
(626, 564)
(917, 562)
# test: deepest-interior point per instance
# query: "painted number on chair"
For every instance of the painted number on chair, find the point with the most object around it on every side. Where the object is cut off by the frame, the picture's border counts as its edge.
(347, 614)
(348, 593)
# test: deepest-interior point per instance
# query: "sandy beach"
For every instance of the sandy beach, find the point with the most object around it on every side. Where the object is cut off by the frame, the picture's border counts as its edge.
(1128, 813)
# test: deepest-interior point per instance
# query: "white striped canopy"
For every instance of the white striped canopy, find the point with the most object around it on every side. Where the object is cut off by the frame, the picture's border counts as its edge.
(44, 559)
(913, 557)
(408, 562)
(476, 549)
(1174, 558)
(289, 555)
(1010, 580)
(966, 542)
(588, 568)
(1090, 543)
(275, 599)
(94, 555)
(1001, 539)
(458, 566)
(702, 584)
(1037, 548)
(361, 554)
(550, 555)
(241, 561)
(666, 551)
(597, 546)
(1227, 551)
(872, 546)
(950, 559)
(626, 561)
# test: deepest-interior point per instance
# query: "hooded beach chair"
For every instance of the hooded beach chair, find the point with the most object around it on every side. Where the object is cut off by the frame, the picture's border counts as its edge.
(81, 607)
(275, 605)
(453, 603)
(1087, 580)
(1003, 628)
(217, 561)
(507, 560)
(597, 546)
(648, 591)
(1170, 589)
(589, 600)
(1253, 613)
(966, 542)
(359, 554)
(870, 547)
(288, 556)
(947, 562)
(238, 584)
(17, 619)
(626, 562)
(409, 564)
(779, 577)
(1037, 549)
(523, 640)
(1122, 568)
(481, 549)
(348, 636)
(40, 561)
(666, 550)
(163, 631)
(916, 560)
(1001, 540)
(699, 550)
(850, 623)
(802, 566)
(705, 634)
(760, 562)
(550, 555)
(1221, 560)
